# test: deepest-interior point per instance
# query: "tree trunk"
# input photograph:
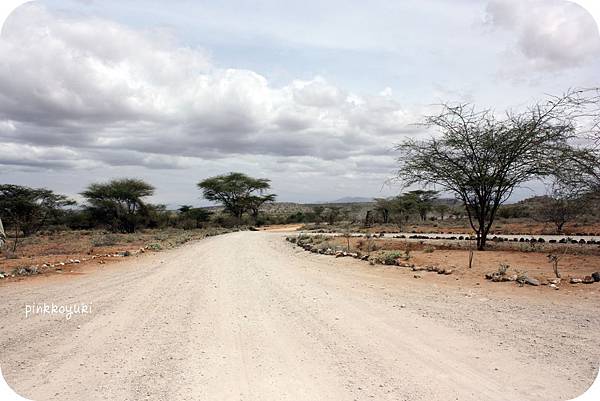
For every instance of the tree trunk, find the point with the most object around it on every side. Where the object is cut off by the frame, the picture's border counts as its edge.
(367, 218)
(481, 242)
(17, 230)
(2, 235)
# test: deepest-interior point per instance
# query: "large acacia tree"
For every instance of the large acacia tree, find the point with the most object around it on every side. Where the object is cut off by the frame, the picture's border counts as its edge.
(119, 203)
(237, 192)
(482, 158)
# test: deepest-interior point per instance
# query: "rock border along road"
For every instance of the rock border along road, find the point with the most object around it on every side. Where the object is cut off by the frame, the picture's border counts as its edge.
(246, 316)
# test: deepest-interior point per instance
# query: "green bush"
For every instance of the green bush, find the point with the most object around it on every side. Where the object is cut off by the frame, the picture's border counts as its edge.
(389, 258)
(154, 246)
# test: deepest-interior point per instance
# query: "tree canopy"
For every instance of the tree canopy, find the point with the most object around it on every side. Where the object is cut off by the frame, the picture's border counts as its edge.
(237, 192)
(26, 210)
(118, 203)
(420, 200)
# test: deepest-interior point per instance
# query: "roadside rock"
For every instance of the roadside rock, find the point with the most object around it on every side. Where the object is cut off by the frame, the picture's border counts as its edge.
(596, 276)
(528, 280)
(532, 281)
(25, 271)
(588, 280)
(575, 280)
(497, 277)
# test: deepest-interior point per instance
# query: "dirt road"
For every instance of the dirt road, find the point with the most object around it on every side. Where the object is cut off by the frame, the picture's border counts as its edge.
(246, 316)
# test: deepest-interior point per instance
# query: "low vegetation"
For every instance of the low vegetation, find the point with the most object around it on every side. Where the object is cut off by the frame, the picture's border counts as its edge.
(49, 251)
(579, 263)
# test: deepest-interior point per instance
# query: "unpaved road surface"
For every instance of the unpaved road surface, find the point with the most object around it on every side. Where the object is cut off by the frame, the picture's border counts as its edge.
(246, 316)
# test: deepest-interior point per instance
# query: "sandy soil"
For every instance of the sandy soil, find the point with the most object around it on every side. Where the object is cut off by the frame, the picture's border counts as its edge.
(281, 227)
(248, 316)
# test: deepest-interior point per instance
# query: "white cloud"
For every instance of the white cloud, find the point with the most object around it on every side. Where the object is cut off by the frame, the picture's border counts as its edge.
(114, 95)
(548, 34)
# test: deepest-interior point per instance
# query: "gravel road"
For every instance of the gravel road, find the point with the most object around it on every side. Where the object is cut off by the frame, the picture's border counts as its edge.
(246, 316)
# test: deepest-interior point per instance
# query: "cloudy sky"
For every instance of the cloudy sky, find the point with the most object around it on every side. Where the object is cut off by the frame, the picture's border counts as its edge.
(311, 94)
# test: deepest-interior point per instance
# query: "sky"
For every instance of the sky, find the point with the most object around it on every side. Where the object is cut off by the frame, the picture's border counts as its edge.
(313, 95)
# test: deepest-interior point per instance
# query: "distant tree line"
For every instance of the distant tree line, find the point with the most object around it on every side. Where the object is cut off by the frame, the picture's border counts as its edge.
(121, 205)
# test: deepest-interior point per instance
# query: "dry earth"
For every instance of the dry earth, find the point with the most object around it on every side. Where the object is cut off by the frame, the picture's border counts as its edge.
(248, 316)
(579, 262)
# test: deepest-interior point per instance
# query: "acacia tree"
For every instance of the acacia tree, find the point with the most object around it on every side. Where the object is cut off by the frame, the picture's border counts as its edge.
(26, 210)
(442, 209)
(482, 158)
(255, 202)
(233, 191)
(318, 213)
(404, 206)
(558, 208)
(119, 203)
(423, 201)
(333, 214)
(384, 206)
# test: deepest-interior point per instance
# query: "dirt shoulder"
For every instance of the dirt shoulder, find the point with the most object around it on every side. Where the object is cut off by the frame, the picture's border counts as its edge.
(70, 252)
(424, 258)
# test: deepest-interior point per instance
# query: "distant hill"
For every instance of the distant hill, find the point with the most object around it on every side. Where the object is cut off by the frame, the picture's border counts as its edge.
(351, 199)
(447, 201)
